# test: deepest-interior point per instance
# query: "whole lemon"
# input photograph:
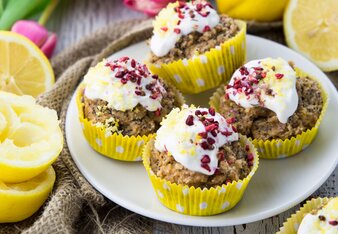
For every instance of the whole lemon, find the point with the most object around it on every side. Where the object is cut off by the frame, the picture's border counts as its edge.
(257, 10)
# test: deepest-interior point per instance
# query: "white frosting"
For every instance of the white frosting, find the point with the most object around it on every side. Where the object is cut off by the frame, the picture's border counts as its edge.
(312, 224)
(185, 142)
(122, 92)
(279, 95)
(175, 21)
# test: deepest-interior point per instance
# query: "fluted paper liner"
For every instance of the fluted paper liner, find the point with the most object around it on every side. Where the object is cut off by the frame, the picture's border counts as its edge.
(207, 70)
(277, 148)
(197, 201)
(116, 146)
(291, 225)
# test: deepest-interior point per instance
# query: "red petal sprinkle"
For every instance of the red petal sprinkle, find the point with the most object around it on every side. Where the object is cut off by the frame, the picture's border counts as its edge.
(206, 29)
(197, 112)
(250, 157)
(206, 166)
(279, 75)
(226, 96)
(123, 59)
(177, 30)
(180, 16)
(158, 112)
(333, 222)
(230, 161)
(205, 159)
(217, 171)
(204, 145)
(234, 128)
(199, 6)
(227, 133)
(231, 120)
(190, 120)
(220, 156)
(243, 70)
(211, 127)
(213, 133)
(212, 111)
(164, 29)
(211, 141)
(133, 63)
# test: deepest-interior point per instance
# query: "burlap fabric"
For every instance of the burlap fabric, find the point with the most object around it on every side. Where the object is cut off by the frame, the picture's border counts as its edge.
(75, 206)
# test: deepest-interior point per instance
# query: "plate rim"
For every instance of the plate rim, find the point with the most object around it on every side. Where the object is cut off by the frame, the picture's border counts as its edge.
(253, 218)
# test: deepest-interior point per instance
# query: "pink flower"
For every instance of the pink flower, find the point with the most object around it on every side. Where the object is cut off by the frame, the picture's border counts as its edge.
(149, 7)
(38, 34)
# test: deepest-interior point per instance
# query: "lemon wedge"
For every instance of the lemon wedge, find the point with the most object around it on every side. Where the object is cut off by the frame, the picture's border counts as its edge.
(19, 201)
(24, 69)
(30, 138)
(311, 28)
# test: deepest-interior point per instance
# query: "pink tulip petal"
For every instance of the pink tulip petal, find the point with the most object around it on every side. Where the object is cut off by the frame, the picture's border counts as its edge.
(149, 7)
(49, 45)
(32, 30)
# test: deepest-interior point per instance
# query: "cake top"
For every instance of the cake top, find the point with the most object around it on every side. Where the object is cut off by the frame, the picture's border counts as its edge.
(324, 220)
(193, 137)
(124, 83)
(178, 19)
(269, 83)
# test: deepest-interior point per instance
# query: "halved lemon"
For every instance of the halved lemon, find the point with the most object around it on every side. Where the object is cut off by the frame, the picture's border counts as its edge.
(24, 69)
(20, 201)
(30, 138)
(311, 28)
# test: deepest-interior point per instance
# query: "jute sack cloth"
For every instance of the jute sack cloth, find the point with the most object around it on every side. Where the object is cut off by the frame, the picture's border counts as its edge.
(75, 206)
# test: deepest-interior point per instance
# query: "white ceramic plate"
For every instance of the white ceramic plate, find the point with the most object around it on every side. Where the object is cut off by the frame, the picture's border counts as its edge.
(277, 186)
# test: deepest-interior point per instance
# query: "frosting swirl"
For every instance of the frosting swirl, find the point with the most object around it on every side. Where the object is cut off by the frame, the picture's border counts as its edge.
(324, 220)
(269, 83)
(193, 137)
(124, 83)
(179, 19)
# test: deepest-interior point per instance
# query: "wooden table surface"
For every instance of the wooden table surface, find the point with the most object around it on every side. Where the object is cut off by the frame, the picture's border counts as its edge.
(77, 18)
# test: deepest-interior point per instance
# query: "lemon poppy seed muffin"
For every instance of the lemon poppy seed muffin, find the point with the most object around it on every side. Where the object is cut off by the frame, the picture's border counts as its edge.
(197, 29)
(266, 100)
(197, 147)
(198, 164)
(322, 220)
(122, 96)
(195, 48)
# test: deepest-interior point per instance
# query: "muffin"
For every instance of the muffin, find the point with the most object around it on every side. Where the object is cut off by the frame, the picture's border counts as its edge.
(275, 104)
(198, 163)
(194, 48)
(316, 216)
(121, 105)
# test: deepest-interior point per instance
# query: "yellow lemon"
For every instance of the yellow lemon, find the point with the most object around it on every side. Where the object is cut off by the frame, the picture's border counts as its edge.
(30, 138)
(257, 10)
(24, 69)
(19, 201)
(311, 28)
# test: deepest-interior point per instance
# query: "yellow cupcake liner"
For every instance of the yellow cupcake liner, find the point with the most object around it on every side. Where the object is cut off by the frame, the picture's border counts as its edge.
(116, 146)
(207, 70)
(291, 225)
(277, 148)
(197, 201)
